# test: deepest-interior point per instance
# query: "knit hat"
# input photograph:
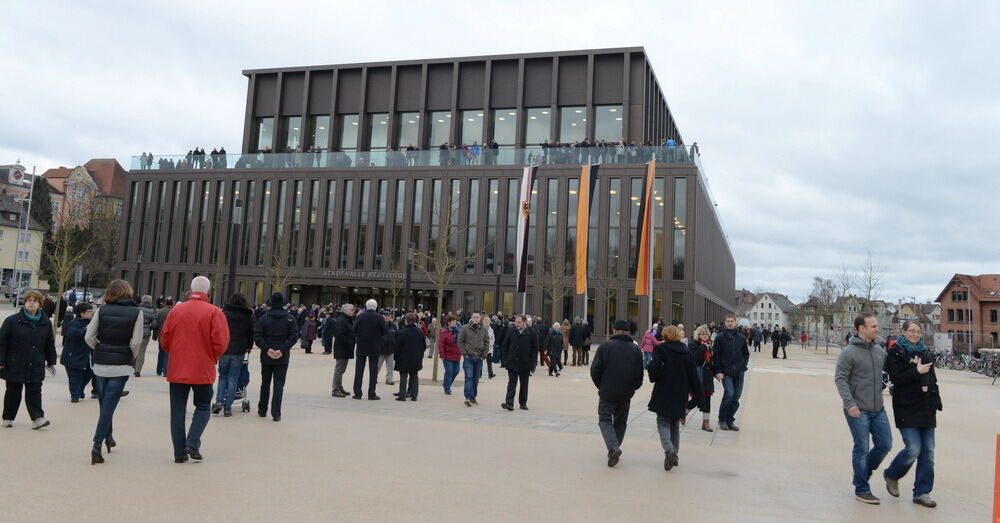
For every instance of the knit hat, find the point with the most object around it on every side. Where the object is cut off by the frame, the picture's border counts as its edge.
(277, 301)
(621, 325)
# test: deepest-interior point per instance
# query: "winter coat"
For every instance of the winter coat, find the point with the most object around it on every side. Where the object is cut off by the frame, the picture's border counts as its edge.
(195, 335)
(730, 354)
(389, 340)
(115, 327)
(472, 341)
(161, 319)
(410, 347)
(26, 348)
(76, 353)
(447, 347)
(309, 329)
(344, 338)
(617, 369)
(553, 343)
(277, 330)
(649, 341)
(578, 335)
(674, 378)
(911, 406)
(519, 350)
(369, 328)
(240, 322)
(701, 353)
(858, 375)
(328, 324)
(148, 319)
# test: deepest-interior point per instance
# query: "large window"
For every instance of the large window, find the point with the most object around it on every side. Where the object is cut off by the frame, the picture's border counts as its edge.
(491, 225)
(331, 202)
(202, 221)
(572, 124)
(471, 252)
(319, 131)
(378, 131)
(293, 237)
(416, 219)
(312, 211)
(505, 126)
(345, 222)
(608, 123)
(677, 307)
(680, 226)
(380, 230)
(265, 133)
(511, 236)
(472, 127)
(440, 128)
(432, 242)
(635, 204)
(359, 252)
(279, 223)
(658, 240)
(538, 126)
(572, 198)
(408, 129)
(347, 130)
(250, 202)
(397, 230)
(614, 225)
(293, 132)
(551, 220)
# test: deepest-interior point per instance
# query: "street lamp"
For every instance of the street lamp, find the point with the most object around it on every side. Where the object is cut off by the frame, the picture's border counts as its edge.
(138, 272)
(968, 300)
(234, 246)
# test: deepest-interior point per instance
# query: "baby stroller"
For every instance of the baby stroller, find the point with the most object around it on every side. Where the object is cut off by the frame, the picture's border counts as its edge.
(241, 384)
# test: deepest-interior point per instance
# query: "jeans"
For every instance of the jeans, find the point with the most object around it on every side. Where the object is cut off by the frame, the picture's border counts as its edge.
(359, 372)
(32, 400)
(646, 358)
(513, 377)
(78, 380)
(389, 361)
(732, 390)
(141, 357)
(473, 368)
(202, 401)
(409, 385)
(670, 433)
(278, 373)
(230, 366)
(109, 391)
(863, 460)
(450, 373)
(338, 375)
(919, 448)
(612, 418)
(161, 363)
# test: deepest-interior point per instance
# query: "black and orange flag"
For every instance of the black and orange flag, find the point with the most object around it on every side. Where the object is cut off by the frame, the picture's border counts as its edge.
(585, 200)
(643, 274)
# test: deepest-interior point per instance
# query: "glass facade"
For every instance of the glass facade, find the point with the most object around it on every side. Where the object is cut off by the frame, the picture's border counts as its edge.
(378, 131)
(319, 131)
(435, 232)
(312, 212)
(505, 126)
(572, 199)
(632, 312)
(440, 128)
(538, 126)
(397, 225)
(593, 239)
(472, 127)
(347, 131)
(157, 252)
(331, 202)
(633, 241)
(345, 222)
(608, 123)
(551, 219)
(220, 192)
(659, 198)
(472, 232)
(492, 198)
(408, 129)
(451, 218)
(202, 222)
(676, 307)
(680, 226)
(359, 247)
(417, 219)
(249, 206)
(293, 236)
(380, 229)
(572, 124)
(511, 236)
(614, 225)
(293, 132)
(279, 223)
(262, 231)
(175, 213)
(265, 133)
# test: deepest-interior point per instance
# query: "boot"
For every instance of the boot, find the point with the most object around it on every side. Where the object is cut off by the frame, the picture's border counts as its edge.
(706, 426)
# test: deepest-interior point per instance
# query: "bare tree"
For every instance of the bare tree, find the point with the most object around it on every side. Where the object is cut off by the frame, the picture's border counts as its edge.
(102, 257)
(824, 294)
(555, 290)
(397, 279)
(844, 280)
(871, 272)
(277, 274)
(68, 246)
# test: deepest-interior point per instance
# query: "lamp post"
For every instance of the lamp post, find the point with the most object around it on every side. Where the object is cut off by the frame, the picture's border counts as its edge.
(968, 300)
(497, 302)
(234, 247)
(409, 275)
(138, 272)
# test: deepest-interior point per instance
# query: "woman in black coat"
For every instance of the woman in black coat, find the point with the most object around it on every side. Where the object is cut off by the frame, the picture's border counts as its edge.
(674, 379)
(700, 348)
(915, 402)
(553, 347)
(76, 353)
(27, 349)
(409, 357)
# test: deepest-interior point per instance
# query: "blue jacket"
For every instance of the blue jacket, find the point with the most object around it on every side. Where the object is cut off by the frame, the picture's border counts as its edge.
(76, 353)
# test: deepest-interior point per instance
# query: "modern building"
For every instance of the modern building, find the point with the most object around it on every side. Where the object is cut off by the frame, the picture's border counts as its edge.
(335, 219)
(20, 245)
(970, 310)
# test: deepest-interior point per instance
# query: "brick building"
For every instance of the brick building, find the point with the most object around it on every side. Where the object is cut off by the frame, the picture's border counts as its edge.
(970, 310)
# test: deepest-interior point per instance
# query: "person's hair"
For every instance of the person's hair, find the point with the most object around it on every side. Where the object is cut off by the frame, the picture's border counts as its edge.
(346, 307)
(169, 301)
(34, 295)
(117, 290)
(522, 316)
(450, 318)
(729, 316)
(672, 333)
(702, 329)
(239, 300)
(81, 308)
(201, 284)
(557, 325)
(859, 320)
(908, 323)
(147, 299)
(410, 318)
(371, 305)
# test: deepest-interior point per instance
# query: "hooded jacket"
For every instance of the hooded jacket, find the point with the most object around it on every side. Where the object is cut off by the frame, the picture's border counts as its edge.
(858, 375)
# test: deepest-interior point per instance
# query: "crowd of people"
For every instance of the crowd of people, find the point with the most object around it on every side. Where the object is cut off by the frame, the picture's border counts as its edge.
(194, 159)
(201, 345)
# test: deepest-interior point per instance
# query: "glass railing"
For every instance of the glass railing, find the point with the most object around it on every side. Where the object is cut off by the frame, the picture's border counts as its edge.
(432, 158)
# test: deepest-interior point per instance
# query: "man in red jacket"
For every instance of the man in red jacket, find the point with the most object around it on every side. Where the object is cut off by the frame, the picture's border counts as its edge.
(194, 335)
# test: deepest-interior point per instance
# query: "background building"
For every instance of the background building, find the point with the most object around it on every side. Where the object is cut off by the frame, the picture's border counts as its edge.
(98, 185)
(335, 225)
(25, 255)
(970, 310)
(767, 309)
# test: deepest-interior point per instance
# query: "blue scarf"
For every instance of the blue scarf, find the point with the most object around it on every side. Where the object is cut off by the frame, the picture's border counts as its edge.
(34, 319)
(908, 347)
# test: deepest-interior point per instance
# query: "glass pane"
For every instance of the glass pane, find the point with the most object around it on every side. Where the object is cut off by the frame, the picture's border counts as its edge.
(472, 127)
(614, 222)
(408, 125)
(265, 133)
(680, 226)
(504, 126)
(658, 239)
(348, 131)
(293, 132)
(572, 124)
(632, 314)
(677, 307)
(440, 128)
(538, 126)
(608, 123)
(378, 131)
(319, 135)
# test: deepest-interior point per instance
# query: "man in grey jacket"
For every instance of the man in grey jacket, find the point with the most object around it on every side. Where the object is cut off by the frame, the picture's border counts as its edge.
(472, 343)
(859, 383)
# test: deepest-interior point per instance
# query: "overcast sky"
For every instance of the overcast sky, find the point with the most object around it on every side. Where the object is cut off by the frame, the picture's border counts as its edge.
(826, 129)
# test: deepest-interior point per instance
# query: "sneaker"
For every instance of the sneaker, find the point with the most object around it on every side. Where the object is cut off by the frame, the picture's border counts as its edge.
(373, 397)
(868, 498)
(216, 408)
(474, 402)
(723, 425)
(925, 500)
(356, 397)
(40, 423)
(468, 403)
(614, 456)
(892, 486)
(6, 423)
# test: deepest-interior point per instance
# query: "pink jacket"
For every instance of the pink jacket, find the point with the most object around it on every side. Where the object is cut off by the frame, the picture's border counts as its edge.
(648, 341)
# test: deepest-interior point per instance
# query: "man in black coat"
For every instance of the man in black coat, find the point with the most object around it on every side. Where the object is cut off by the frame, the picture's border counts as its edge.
(387, 354)
(617, 373)
(275, 335)
(519, 348)
(577, 339)
(409, 355)
(730, 356)
(327, 329)
(343, 347)
(370, 330)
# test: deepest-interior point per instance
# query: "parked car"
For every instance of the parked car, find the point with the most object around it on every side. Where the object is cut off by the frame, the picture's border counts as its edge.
(81, 296)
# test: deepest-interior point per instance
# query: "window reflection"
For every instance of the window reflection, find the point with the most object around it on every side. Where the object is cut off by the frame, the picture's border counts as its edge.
(293, 132)
(440, 128)
(408, 127)
(472, 127)
(538, 126)
(608, 123)
(348, 130)
(319, 132)
(265, 133)
(505, 126)
(572, 124)
(378, 131)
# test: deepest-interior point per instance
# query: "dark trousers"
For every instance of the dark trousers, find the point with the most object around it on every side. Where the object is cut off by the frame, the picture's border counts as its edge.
(513, 377)
(774, 350)
(756, 346)
(409, 385)
(267, 373)
(78, 379)
(612, 418)
(359, 372)
(179, 434)
(554, 364)
(161, 363)
(585, 356)
(32, 399)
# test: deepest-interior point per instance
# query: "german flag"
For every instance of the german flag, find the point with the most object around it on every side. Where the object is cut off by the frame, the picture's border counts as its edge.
(585, 200)
(644, 274)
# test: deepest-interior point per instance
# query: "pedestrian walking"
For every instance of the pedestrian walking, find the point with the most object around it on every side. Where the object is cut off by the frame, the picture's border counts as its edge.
(275, 335)
(858, 377)
(565, 336)
(756, 336)
(674, 379)
(915, 402)
(116, 333)
(775, 344)
(473, 344)
(491, 343)
(617, 374)
(409, 358)
(387, 352)
(649, 340)
(27, 350)
(519, 348)
(161, 319)
(240, 321)
(585, 348)
(195, 335)
(344, 341)
(804, 340)
(553, 346)
(577, 338)
(76, 354)
(700, 348)
(369, 327)
(148, 324)
(785, 338)
(327, 336)
(448, 349)
(730, 357)
(309, 329)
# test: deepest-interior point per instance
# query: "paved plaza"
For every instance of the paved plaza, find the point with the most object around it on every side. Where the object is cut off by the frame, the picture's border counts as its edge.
(436, 460)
